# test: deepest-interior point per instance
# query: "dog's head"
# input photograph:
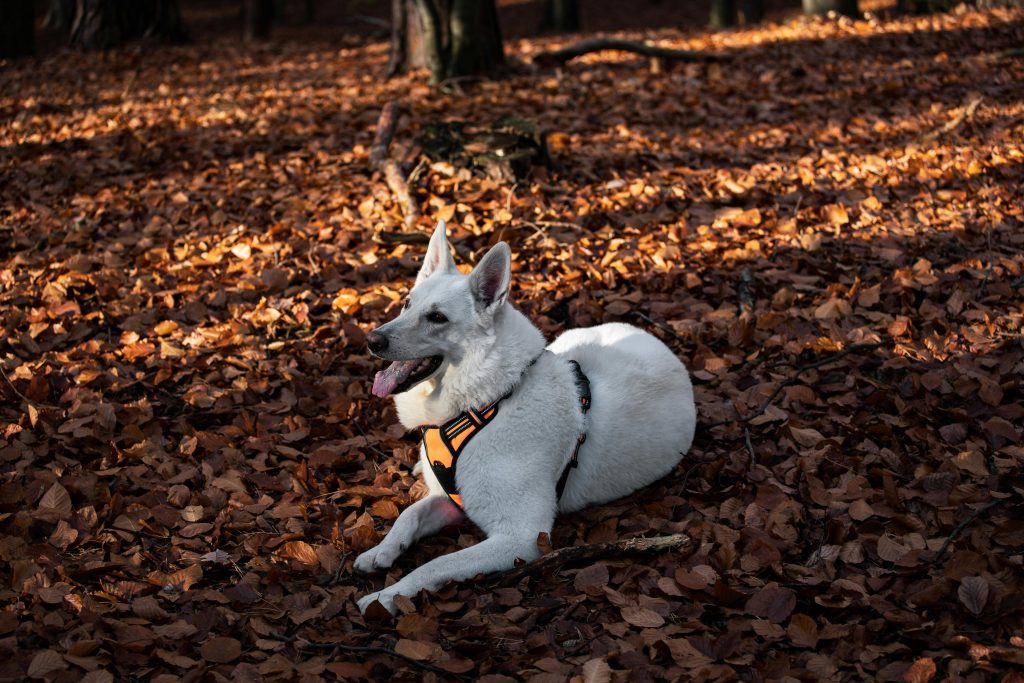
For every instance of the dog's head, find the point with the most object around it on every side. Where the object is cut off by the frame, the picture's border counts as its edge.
(445, 314)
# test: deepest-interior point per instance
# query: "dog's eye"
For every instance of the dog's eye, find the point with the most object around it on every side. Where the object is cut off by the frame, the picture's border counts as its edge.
(436, 317)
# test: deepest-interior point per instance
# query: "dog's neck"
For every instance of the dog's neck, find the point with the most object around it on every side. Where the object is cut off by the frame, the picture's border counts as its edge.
(484, 374)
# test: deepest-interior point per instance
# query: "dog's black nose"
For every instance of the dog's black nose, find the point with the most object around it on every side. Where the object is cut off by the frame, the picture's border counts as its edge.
(376, 341)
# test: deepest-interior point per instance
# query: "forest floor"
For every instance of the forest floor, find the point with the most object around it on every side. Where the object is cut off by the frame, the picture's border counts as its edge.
(827, 228)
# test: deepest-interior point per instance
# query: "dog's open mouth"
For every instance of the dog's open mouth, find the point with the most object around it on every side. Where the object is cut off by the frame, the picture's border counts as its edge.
(403, 375)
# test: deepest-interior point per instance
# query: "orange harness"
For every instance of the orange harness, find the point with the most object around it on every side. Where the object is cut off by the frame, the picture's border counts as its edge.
(444, 444)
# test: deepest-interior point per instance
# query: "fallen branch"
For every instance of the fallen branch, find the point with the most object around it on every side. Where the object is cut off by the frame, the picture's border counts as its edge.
(596, 551)
(388, 167)
(386, 125)
(970, 519)
(965, 113)
(645, 48)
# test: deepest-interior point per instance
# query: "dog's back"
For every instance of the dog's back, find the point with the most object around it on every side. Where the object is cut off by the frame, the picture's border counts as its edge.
(642, 417)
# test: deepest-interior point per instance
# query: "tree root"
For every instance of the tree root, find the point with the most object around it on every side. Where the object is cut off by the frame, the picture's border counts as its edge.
(645, 48)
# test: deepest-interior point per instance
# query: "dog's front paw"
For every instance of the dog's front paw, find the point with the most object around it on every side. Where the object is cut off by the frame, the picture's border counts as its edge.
(375, 558)
(385, 597)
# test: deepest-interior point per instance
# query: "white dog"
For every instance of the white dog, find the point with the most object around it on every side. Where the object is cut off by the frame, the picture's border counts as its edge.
(506, 419)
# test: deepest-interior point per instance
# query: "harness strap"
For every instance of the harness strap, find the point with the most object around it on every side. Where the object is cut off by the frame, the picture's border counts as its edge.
(444, 444)
(583, 389)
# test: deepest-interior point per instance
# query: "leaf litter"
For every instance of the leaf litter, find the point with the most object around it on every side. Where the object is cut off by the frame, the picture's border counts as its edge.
(827, 229)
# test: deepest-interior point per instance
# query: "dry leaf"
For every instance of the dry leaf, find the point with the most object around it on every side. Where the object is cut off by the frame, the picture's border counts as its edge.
(973, 593)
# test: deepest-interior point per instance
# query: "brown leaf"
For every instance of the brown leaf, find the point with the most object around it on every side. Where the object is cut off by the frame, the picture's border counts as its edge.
(772, 603)
(183, 579)
(544, 543)
(890, 550)
(597, 671)
(300, 551)
(416, 649)
(44, 663)
(973, 593)
(642, 617)
(837, 215)
(860, 510)
(592, 579)
(803, 631)
(685, 654)
(221, 649)
(63, 536)
(921, 671)
(55, 504)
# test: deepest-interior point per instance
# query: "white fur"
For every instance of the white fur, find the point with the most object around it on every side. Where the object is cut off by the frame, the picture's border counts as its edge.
(640, 423)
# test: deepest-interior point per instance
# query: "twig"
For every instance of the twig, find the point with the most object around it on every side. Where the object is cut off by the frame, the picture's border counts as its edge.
(23, 397)
(645, 48)
(745, 291)
(369, 649)
(963, 525)
(750, 446)
(663, 327)
(594, 551)
(965, 113)
(795, 378)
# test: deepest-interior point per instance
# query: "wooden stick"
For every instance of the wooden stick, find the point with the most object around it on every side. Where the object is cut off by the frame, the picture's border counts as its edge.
(963, 525)
(388, 167)
(645, 48)
(386, 125)
(965, 113)
(595, 551)
(400, 188)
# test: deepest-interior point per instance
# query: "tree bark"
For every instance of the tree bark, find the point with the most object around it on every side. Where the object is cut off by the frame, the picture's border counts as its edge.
(723, 13)
(257, 17)
(753, 11)
(562, 16)
(846, 7)
(17, 29)
(452, 38)
(102, 24)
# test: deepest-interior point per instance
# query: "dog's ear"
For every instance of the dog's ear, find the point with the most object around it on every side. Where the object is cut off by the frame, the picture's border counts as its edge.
(490, 279)
(439, 256)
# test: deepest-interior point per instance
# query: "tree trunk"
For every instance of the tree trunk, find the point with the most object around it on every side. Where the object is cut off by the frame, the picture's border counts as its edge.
(723, 13)
(257, 17)
(59, 15)
(452, 38)
(562, 16)
(17, 29)
(846, 7)
(753, 11)
(102, 24)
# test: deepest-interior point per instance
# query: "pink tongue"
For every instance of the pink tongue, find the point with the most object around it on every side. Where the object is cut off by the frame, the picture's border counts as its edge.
(388, 379)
